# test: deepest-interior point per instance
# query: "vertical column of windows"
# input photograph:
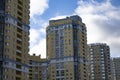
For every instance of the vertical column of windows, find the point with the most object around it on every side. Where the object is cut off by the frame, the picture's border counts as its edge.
(60, 71)
(75, 42)
(59, 43)
(19, 10)
(59, 53)
(102, 63)
(19, 38)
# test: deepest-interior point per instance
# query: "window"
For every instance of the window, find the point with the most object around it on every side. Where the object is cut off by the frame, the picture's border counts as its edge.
(6, 77)
(57, 73)
(6, 50)
(7, 37)
(62, 72)
(8, 0)
(7, 43)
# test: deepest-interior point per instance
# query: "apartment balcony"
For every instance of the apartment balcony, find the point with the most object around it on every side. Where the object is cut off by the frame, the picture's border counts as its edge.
(19, 51)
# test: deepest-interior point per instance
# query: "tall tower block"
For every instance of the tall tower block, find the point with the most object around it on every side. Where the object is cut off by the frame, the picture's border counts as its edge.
(14, 39)
(67, 49)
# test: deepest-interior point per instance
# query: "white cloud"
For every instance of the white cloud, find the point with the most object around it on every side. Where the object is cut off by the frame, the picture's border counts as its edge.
(34, 35)
(37, 7)
(37, 35)
(58, 17)
(39, 49)
(37, 40)
(102, 21)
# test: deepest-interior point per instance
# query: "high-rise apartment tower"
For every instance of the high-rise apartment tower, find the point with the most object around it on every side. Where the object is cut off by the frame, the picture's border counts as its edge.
(99, 54)
(67, 49)
(116, 67)
(14, 39)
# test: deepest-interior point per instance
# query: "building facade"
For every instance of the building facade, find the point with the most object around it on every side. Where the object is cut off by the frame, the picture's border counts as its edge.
(14, 39)
(67, 49)
(38, 68)
(100, 65)
(116, 67)
(113, 70)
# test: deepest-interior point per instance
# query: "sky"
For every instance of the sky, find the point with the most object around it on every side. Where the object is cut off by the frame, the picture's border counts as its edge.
(102, 18)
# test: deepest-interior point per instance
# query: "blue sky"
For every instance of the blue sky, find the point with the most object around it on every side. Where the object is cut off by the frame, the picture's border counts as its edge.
(60, 7)
(102, 18)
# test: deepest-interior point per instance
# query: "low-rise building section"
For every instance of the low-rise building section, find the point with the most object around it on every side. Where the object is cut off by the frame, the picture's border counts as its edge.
(37, 68)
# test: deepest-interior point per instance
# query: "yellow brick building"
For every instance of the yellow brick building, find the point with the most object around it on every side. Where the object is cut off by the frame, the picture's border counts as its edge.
(14, 39)
(38, 68)
(67, 49)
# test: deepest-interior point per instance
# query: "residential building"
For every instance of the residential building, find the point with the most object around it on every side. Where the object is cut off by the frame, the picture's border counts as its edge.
(14, 39)
(99, 61)
(67, 49)
(38, 68)
(89, 64)
(113, 70)
(116, 67)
